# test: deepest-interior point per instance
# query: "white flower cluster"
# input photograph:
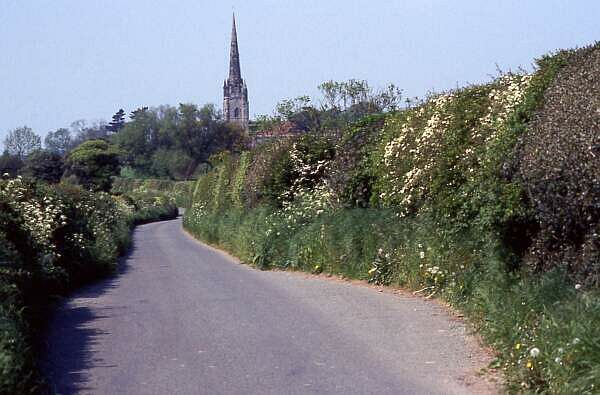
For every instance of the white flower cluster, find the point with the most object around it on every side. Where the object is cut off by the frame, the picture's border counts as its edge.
(197, 211)
(123, 206)
(302, 203)
(412, 155)
(307, 205)
(427, 143)
(41, 216)
(503, 100)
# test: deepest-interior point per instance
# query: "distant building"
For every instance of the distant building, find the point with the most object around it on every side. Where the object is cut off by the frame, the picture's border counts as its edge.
(278, 131)
(235, 92)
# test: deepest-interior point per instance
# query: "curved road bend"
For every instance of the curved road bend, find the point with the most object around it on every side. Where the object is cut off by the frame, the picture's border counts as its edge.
(183, 318)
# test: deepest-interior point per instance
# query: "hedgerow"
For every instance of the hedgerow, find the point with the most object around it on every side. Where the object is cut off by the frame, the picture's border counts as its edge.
(486, 196)
(178, 191)
(559, 167)
(54, 238)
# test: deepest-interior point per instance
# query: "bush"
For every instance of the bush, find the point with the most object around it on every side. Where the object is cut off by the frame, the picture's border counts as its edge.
(44, 166)
(93, 164)
(10, 164)
(178, 191)
(559, 166)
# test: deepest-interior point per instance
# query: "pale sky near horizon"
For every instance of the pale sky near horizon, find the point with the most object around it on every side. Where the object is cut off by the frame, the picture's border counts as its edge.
(64, 60)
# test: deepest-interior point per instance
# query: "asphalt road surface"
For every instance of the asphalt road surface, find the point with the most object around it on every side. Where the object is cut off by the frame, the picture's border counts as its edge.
(184, 318)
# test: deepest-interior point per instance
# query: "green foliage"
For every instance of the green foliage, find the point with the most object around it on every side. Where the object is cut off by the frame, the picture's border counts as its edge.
(352, 176)
(44, 165)
(237, 187)
(10, 164)
(92, 164)
(59, 141)
(117, 122)
(178, 192)
(173, 142)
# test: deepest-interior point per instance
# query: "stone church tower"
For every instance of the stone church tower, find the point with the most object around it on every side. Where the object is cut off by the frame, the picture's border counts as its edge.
(235, 92)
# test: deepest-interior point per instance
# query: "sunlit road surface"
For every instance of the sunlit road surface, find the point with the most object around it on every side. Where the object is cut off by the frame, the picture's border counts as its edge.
(183, 318)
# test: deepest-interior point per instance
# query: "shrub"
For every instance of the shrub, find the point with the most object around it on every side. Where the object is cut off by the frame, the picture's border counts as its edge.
(559, 165)
(44, 166)
(178, 191)
(93, 164)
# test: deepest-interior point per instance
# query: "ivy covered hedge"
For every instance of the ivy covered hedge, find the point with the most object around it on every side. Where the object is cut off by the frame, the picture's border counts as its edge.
(54, 238)
(486, 196)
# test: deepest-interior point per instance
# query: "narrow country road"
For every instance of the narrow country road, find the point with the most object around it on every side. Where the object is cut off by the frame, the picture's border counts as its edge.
(183, 318)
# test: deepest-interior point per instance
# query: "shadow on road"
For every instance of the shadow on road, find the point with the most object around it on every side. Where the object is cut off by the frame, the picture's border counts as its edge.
(68, 350)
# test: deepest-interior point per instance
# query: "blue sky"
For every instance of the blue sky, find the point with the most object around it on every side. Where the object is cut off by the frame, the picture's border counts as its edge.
(64, 60)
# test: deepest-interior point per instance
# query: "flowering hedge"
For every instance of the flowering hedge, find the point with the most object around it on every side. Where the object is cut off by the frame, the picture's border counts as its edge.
(178, 191)
(463, 196)
(52, 239)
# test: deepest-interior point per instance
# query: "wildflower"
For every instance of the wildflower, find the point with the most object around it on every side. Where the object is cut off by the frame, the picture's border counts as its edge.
(577, 286)
(518, 346)
(576, 340)
(422, 254)
(558, 360)
(534, 352)
(529, 365)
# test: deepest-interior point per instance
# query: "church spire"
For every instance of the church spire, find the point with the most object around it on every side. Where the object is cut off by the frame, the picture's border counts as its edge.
(234, 56)
(235, 92)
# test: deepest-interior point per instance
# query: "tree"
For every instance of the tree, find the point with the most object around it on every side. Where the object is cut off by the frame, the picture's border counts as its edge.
(173, 164)
(92, 164)
(21, 141)
(118, 121)
(82, 131)
(172, 142)
(138, 112)
(59, 142)
(288, 107)
(10, 164)
(44, 165)
(138, 140)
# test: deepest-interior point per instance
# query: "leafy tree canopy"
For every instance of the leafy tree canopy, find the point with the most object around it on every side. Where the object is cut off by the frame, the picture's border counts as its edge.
(174, 141)
(44, 165)
(59, 142)
(92, 164)
(22, 141)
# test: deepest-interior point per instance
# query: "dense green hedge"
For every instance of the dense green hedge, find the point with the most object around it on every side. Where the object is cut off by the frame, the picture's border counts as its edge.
(54, 238)
(457, 198)
(179, 191)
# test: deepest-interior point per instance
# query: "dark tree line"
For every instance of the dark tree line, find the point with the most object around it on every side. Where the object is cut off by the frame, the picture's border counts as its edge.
(165, 142)
(175, 142)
